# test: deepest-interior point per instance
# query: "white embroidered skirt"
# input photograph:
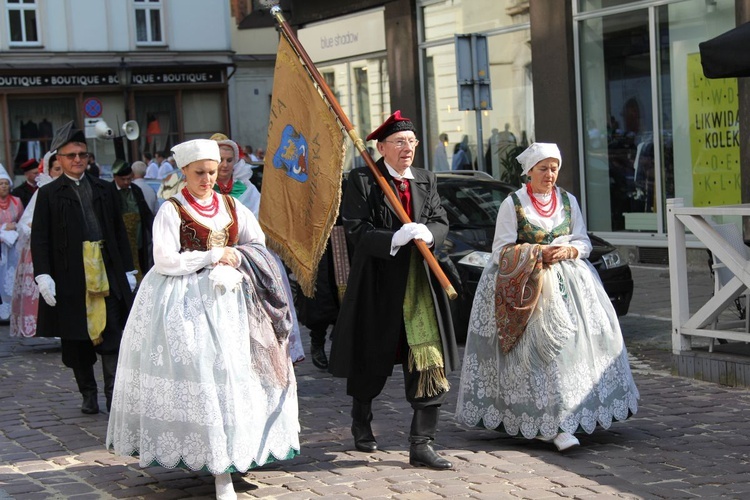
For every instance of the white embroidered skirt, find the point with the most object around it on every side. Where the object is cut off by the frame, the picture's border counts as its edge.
(189, 391)
(587, 381)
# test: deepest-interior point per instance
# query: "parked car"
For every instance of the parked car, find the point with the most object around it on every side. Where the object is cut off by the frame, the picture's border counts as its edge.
(472, 200)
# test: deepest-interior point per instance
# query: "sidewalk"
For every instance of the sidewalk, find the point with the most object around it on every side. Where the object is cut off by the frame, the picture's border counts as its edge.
(690, 439)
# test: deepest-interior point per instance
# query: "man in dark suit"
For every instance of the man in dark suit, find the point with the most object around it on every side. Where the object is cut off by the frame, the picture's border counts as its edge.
(26, 190)
(83, 267)
(392, 312)
(136, 215)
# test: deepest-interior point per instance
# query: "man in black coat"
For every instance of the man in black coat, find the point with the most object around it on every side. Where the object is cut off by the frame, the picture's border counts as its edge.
(26, 190)
(393, 311)
(86, 302)
(137, 216)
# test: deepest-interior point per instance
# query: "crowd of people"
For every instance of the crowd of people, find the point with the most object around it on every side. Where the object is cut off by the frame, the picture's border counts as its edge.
(195, 324)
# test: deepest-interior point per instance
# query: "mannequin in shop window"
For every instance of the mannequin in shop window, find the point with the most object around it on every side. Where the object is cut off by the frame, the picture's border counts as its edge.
(644, 177)
(45, 133)
(29, 144)
(153, 130)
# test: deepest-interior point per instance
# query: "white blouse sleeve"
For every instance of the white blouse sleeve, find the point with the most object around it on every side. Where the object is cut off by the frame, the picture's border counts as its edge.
(249, 229)
(167, 256)
(506, 227)
(579, 236)
(24, 223)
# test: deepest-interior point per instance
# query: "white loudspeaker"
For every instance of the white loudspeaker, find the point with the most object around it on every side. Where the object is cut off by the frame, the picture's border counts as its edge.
(102, 130)
(131, 130)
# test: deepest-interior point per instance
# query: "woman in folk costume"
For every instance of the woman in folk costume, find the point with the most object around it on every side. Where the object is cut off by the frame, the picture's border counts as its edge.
(204, 379)
(227, 182)
(11, 210)
(544, 354)
(25, 302)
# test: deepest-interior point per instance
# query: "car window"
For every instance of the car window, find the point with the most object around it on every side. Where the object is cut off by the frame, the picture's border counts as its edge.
(472, 203)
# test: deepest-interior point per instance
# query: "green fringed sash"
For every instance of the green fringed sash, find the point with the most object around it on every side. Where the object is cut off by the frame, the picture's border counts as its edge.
(422, 333)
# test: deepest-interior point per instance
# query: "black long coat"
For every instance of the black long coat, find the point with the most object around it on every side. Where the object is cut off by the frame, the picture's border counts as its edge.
(368, 328)
(146, 252)
(24, 192)
(57, 249)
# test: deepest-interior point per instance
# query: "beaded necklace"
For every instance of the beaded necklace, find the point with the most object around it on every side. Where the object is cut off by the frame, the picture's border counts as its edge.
(543, 209)
(206, 211)
(226, 188)
(5, 203)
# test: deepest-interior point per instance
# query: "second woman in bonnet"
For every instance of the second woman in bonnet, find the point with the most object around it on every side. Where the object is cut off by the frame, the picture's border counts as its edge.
(544, 355)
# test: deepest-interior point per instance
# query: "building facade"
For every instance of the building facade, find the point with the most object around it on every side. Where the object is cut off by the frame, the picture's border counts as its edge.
(161, 63)
(616, 83)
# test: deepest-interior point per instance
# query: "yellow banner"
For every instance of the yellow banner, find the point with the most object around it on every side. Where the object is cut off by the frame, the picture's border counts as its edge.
(713, 108)
(302, 170)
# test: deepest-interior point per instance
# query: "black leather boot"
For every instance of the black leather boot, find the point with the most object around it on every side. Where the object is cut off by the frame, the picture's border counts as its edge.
(109, 369)
(318, 355)
(364, 440)
(87, 387)
(423, 427)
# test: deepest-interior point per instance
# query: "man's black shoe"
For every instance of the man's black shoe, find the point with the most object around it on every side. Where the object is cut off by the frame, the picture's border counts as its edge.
(319, 359)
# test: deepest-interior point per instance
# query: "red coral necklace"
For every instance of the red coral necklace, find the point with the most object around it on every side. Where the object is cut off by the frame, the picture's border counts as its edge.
(206, 211)
(226, 188)
(543, 209)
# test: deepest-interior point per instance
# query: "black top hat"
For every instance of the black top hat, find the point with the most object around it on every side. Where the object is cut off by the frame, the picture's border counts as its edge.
(66, 134)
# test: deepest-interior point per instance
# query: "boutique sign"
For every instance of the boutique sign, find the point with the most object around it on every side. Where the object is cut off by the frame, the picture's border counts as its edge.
(107, 79)
(181, 77)
(29, 81)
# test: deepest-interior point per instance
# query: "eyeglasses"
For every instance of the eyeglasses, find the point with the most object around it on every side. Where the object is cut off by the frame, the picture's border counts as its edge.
(72, 156)
(401, 144)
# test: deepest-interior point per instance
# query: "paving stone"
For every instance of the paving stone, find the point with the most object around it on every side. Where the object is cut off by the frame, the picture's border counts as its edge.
(689, 438)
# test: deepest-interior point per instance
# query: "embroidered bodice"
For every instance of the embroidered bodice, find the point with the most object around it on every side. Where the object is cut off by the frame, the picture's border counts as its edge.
(531, 233)
(197, 236)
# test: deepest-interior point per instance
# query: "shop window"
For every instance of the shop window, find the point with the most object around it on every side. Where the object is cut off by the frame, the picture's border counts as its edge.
(148, 22)
(32, 124)
(156, 115)
(203, 113)
(361, 87)
(454, 139)
(643, 106)
(22, 22)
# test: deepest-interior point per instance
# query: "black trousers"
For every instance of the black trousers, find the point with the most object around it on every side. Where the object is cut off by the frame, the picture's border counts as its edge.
(365, 387)
(82, 353)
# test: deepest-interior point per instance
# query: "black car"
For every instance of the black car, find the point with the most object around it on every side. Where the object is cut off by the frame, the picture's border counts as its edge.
(472, 200)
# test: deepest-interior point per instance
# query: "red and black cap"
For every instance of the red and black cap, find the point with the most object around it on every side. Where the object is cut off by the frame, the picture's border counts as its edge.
(394, 123)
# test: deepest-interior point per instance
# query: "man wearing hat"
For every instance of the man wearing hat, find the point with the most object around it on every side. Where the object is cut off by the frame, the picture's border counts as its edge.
(393, 311)
(83, 267)
(136, 215)
(26, 190)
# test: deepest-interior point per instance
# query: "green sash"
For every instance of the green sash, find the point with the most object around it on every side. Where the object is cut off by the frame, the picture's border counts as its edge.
(422, 333)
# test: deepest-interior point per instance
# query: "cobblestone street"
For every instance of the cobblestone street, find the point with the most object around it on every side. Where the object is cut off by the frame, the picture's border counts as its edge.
(690, 439)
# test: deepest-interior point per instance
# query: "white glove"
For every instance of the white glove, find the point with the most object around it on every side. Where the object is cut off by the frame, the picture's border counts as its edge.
(8, 237)
(23, 230)
(424, 234)
(131, 279)
(46, 288)
(404, 235)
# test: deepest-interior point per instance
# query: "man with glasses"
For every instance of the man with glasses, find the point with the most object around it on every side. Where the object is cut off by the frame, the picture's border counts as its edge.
(393, 311)
(83, 267)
